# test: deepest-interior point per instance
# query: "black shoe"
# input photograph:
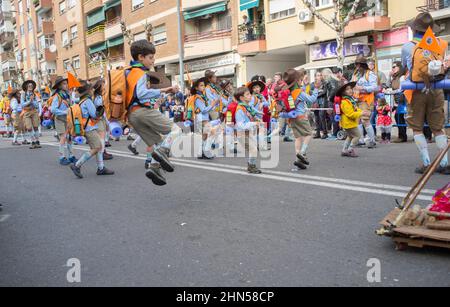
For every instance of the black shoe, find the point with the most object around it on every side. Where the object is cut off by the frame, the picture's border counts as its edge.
(107, 156)
(107, 144)
(300, 165)
(104, 172)
(317, 136)
(161, 157)
(133, 150)
(421, 170)
(303, 159)
(147, 164)
(76, 171)
(154, 174)
(324, 137)
(443, 170)
(38, 144)
(130, 138)
(205, 157)
(33, 145)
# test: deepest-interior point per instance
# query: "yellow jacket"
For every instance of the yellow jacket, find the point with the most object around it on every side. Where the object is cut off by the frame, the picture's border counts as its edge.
(4, 103)
(350, 114)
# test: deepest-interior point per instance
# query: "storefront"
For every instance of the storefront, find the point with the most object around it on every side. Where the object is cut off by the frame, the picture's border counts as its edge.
(388, 47)
(225, 66)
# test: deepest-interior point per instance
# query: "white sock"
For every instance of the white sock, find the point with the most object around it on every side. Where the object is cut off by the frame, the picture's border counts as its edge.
(441, 143)
(422, 145)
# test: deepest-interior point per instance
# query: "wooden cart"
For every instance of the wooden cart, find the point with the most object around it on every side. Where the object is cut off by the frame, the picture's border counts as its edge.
(416, 236)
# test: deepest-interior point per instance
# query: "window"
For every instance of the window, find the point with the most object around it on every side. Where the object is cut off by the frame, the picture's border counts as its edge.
(281, 8)
(224, 22)
(62, 7)
(322, 3)
(20, 5)
(71, 4)
(136, 4)
(24, 55)
(64, 38)
(66, 64)
(140, 36)
(74, 32)
(159, 35)
(76, 62)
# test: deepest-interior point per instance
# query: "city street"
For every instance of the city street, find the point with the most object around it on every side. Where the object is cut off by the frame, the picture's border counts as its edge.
(213, 224)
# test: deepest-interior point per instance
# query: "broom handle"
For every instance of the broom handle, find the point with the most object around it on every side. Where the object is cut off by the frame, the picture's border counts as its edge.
(415, 191)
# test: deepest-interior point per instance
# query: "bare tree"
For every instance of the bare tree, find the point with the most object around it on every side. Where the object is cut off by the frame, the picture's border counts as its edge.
(337, 23)
(127, 33)
(148, 30)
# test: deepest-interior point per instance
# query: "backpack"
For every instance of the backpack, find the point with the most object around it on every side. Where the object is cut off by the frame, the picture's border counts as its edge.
(76, 124)
(119, 92)
(420, 60)
(190, 108)
(231, 112)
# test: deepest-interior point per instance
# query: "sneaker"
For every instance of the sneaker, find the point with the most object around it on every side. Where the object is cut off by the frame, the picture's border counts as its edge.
(64, 161)
(317, 136)
(300, 165)
(107, 156)
(287, 139)
(361, 144)
(331, 138)
(443, 170)
(77, 171)
(352, 154)
(15, 143)
(372, 145)
(130, 138)
(73, 160)
(104, 172)
(421, 170)
(133, 150)
(345, 154)
(25, 142)
(161, 157)
(206, 157)
(252, 169)
(107, 144)
(155, 175)
(303, 159)
(147, 164)
(33, 145)
(324, 137)
(38, 144)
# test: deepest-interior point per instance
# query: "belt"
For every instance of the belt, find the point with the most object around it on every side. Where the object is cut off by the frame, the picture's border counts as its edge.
(147, 105)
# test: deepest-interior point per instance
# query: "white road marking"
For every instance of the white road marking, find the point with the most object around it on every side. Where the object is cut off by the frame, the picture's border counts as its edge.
(339, 184)
(4, 217)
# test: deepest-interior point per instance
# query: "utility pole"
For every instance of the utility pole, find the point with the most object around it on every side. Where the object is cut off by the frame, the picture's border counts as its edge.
(180, 46)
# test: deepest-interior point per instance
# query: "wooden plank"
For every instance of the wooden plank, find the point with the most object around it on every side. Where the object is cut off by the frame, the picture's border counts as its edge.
(390, 217)
(423, 232)
(420, 243)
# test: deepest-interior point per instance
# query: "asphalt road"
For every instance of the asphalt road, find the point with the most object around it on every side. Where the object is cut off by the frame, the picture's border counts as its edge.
(212, 225)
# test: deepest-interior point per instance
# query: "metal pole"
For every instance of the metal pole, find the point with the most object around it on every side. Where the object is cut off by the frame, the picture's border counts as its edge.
(180, 46)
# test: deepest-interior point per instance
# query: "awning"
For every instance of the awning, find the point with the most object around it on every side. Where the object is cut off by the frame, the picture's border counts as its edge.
(96, 17)
(97, 48)
(116, 41)
(206, 10)
(248, 4)
(112, 3)
(327, 63)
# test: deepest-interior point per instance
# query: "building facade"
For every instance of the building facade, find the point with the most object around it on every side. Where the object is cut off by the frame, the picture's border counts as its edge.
(9, 74)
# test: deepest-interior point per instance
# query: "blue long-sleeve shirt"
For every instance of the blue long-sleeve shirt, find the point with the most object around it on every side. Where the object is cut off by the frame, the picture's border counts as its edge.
(259, 102)
(60, 106)
(212, 95)
(204, 108)
(27, 101)
(301, 104)
(145, 94)
(89, 110)
(369, 82)
(243, 120)
(226, 101)
(16, 106)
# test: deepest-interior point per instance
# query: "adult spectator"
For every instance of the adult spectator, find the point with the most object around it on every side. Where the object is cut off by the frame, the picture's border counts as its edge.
(320, 116)
(331, 84)
(339, 75)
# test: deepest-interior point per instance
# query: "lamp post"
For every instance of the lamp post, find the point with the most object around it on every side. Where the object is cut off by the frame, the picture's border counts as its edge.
(180, 47)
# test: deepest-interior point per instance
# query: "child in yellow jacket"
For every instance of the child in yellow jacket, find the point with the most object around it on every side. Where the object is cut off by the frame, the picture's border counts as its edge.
(350, 115)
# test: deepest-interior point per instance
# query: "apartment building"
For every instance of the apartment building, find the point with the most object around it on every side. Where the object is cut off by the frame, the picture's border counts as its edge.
(35, 48)
(9, 75)
(284, 34)
(211, 38)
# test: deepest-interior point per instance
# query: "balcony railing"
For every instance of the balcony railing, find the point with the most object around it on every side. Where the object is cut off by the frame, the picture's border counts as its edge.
(434, 5)
(207, 35)
(117, 58)
(251, 32)
(97, 29)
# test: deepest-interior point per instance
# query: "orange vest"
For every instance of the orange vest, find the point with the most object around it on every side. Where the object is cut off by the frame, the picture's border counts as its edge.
(133, 78)
(369, 98)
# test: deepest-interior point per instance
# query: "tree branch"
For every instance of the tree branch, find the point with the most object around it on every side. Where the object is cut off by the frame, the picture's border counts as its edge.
(351, 13)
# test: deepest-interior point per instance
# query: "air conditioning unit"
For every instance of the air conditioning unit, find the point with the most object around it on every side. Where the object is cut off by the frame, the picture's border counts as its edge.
(305, 16)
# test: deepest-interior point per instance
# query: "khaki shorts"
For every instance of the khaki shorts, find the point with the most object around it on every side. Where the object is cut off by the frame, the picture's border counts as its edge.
(93, 139)
(429, 107)
(353, 135)
(8, 120)
(150, 125)
(364, 106)
(213, 115)
(300, 127)
(102, 126)
(18, 123)
(31, 120)
(61, 124)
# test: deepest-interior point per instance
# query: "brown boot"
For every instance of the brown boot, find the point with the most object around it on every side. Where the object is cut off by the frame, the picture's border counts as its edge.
(252, 169)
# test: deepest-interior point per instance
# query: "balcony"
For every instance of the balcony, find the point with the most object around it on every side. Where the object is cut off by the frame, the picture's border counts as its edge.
(95, 69)
(367, 23)
(6, 15)
(6, 38)
(207, 43)
(42, 5)
(90, 5)
(113, 28)
(95, 35)
(48, 56)
(252, 39)
(7, 56)
(439, 9)
(46, 28)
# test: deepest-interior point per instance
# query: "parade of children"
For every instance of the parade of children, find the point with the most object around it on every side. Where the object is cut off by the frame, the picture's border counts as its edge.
(287, 105)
